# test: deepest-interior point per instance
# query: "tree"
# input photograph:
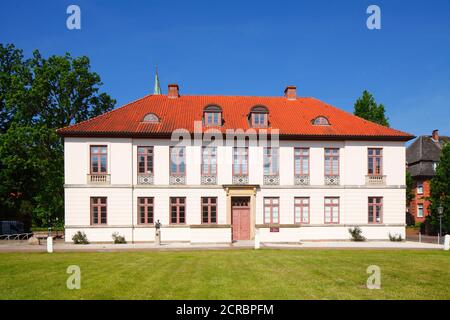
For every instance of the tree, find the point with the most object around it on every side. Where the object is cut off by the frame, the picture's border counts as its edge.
(37, 96)
(367, 108)
(440, 193)
(409, 196)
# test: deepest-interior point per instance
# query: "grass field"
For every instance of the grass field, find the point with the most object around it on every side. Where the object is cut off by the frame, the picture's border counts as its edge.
(233, 274)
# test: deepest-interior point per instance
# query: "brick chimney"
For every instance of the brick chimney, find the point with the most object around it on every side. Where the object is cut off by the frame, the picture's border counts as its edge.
(435, 135)
(290, 92)
(173, 91)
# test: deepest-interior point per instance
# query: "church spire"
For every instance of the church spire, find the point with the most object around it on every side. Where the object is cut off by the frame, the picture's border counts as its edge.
(157, 89)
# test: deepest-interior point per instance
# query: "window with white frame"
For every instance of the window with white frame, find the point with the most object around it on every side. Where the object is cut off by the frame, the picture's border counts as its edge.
(301, 161)
(331, 210)
(419, 187)
(301, 210)
(420, 210)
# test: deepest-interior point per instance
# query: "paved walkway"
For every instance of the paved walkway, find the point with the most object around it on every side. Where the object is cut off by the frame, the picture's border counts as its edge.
(22, 246)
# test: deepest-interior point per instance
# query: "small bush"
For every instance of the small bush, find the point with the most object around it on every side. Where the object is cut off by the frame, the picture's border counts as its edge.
(395, 237)
(118, 238)
(80, 238)
(356, 234)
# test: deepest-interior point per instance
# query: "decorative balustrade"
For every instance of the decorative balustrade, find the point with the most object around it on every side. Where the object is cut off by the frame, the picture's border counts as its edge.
(332, 180)
(209, 179)
(98, 179)
(271, 179)
(240, 179)
(177, 179)
(375, 180)
(301, 180)
(145, 179)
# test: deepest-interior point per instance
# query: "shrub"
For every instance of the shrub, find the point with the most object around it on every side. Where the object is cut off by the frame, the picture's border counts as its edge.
(118, 238)
(80, 238)
(395, 237)
(356, 234)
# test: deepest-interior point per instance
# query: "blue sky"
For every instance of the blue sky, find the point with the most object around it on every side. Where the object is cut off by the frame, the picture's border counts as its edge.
(256, 48)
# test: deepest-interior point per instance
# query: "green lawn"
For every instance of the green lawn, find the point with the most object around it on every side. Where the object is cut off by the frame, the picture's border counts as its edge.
(231, 274)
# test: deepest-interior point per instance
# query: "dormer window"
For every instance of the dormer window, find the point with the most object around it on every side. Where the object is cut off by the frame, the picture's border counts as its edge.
(320, 121)
(151, 118)
(212, 116)
(259, 117)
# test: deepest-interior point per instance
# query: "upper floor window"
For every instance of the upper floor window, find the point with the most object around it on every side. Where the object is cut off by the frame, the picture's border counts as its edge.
(98, 210)
(331, 161)
(301, 210)
(145, 210)
(209, 161)
(177, 210)
(375, 209)
(331, 210)
(375, 161)
(271, 210)
(145, 160)
(99, 162)
(178, 160)
(301, 161)
(271, 161)
(209, 209)
(151, 117)
(320, 121)
(419, 187)
(212, 116)
(259, 117)
(240, 161)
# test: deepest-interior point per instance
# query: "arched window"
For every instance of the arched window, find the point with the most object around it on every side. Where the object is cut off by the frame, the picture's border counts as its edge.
(212, 116)
(320, 121)
(259, 117)
(151, 117)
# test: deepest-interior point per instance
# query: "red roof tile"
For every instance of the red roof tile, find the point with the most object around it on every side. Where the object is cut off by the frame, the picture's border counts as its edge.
(292, 118)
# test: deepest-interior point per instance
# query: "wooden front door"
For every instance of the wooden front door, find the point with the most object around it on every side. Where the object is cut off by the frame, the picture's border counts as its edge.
(240, 207)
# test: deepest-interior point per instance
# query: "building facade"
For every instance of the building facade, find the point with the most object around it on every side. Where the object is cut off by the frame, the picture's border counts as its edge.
(422, 157)
(286, 168)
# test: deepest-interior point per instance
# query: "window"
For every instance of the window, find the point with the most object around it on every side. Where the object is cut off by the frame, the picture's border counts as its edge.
(209, 210)
(301, 161)
(259, 116)
(151, 117)
(420, 210)
(99, 160)
(145, 210)
(320, 121)
(271, 210)
(271, 160)
(375, 160)
(98, 210)
(178, 160)
(177, 210)
(331, 162)
(240, 161)
(301, 210)
(212, 116)
(375, 209)
(209, 161)
(145, 160)
(419, 187)
(331, 210)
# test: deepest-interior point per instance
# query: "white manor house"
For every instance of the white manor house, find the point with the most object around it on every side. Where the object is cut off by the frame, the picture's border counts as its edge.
(288, 168)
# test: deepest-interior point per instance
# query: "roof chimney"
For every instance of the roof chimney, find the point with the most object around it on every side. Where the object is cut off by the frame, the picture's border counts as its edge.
(435, 135)
(290, 92)
(173, 91)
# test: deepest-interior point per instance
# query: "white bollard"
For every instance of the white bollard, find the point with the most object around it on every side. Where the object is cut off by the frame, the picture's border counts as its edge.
(49, 244)
(257, 241)
(447, 242)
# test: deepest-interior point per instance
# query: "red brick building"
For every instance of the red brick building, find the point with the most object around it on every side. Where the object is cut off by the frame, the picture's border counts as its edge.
(422, 157)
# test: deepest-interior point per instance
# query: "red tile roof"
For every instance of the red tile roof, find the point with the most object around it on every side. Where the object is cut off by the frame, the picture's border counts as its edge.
(292, 118)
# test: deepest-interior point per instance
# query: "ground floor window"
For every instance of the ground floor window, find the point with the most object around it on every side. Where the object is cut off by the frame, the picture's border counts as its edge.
(375, 209)
(331, 210)
(145, 210)
(209, 210)
(420, 210)
(177, 210)
(271, 210)
(301, 210)
(98, 210)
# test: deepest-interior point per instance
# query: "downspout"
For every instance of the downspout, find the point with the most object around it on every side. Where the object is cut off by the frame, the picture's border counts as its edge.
(132, 194)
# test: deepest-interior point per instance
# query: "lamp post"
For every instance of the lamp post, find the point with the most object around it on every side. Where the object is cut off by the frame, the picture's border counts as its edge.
(440, 212)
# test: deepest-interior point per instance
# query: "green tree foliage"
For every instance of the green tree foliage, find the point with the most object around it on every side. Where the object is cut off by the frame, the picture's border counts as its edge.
(367, 108)
(38, 96)
(409, 187)
(440, 194)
